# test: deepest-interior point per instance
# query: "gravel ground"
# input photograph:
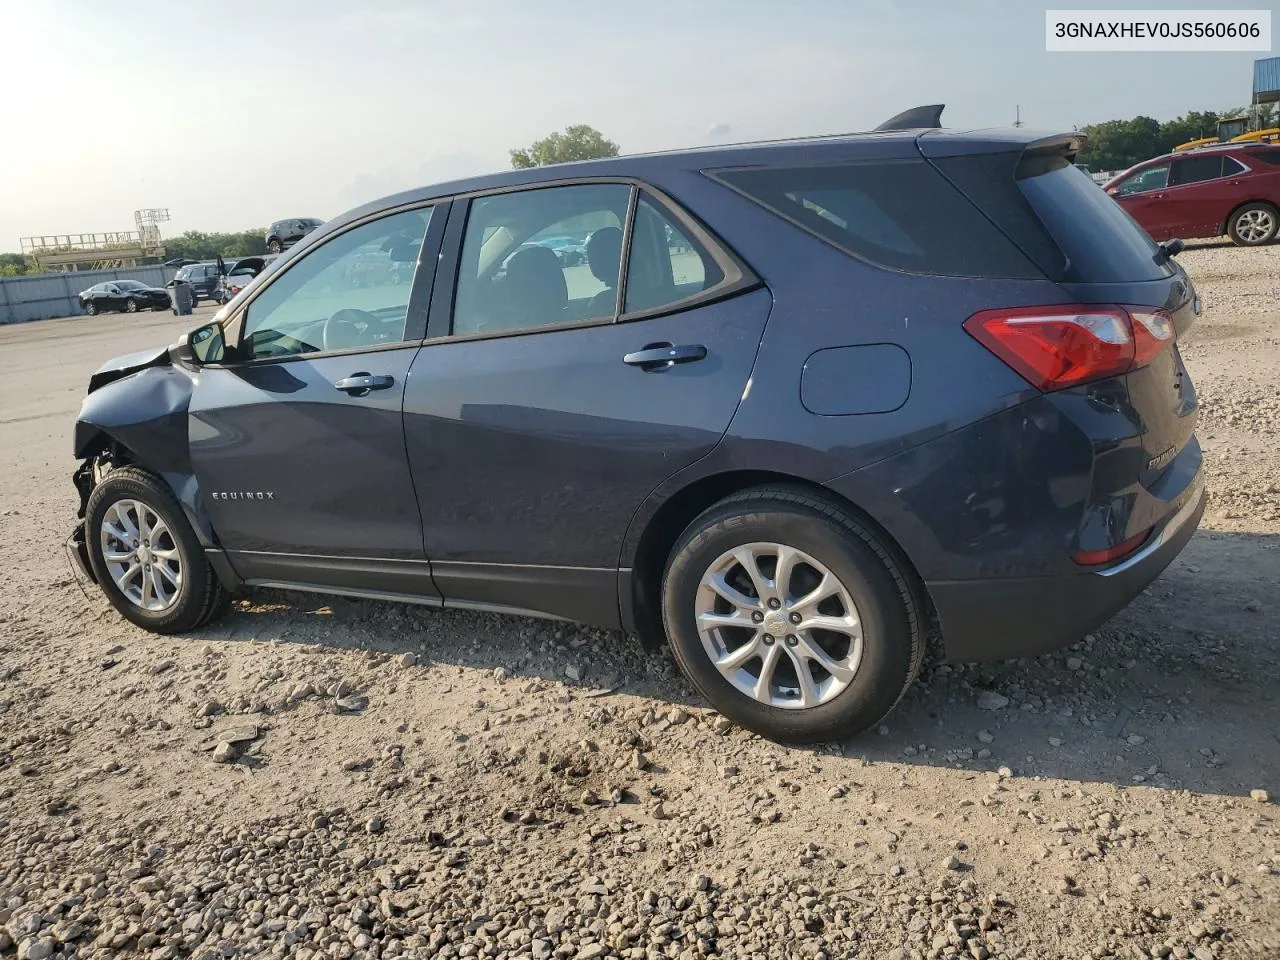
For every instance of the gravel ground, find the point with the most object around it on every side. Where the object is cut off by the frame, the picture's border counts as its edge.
(316, 777)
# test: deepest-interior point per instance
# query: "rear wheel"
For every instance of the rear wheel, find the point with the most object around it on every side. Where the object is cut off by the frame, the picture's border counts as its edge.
(91, 308)
(791, 617)
(131, 305)
(1253, 225)
(146, 556)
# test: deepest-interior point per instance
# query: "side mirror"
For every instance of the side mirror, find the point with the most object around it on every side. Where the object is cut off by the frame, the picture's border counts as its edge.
(1170, 248)
(1112, 191)
(202, 345)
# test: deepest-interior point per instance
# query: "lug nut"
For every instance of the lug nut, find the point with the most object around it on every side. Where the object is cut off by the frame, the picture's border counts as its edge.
(791, 641)
(768, 639)
(757, 617)
(775, 603)
(795, 618)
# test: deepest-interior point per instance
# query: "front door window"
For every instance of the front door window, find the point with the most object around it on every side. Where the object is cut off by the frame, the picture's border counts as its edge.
(350, 292)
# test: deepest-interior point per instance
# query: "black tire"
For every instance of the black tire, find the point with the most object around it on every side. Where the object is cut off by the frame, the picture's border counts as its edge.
(273, 246)
(91, 308)
(1261, 214)
(130, 305)
(201, 596)
(889, 601)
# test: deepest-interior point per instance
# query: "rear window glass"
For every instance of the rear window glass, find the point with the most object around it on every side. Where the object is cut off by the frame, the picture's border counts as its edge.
(901, 214)
(1102, 243)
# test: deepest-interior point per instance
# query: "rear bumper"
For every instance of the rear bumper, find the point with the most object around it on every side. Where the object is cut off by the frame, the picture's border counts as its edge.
(1015, 617)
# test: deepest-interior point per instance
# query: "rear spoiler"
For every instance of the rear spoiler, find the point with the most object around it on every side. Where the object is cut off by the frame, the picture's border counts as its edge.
(915, 119)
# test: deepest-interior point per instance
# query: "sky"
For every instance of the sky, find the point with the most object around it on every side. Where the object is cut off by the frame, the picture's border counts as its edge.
(234, 114)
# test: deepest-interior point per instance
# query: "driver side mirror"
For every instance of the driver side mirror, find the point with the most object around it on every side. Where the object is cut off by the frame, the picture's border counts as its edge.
(202, 345)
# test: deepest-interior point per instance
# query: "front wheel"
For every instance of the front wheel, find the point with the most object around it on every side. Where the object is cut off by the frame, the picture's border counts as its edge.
(91, 308)
(792, 617)
(1253, 225)
(146, 557)
(131, 305)
(273, 246)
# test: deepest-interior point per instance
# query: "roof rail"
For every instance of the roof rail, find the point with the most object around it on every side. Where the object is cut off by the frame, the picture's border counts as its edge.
(915, 118)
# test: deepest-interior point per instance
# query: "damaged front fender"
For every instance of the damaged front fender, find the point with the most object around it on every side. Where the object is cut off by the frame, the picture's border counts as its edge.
(143, 414)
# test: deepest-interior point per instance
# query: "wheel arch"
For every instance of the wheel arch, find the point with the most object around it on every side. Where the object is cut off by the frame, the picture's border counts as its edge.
(640, 592)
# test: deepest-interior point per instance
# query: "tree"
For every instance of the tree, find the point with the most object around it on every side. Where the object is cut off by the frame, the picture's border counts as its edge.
(15, 265)
(196, 245)
(578, 142)
(1119, 144)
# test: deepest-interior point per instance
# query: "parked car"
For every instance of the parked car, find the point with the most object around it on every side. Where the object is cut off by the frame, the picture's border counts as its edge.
(922, 375)
(1231, 189)
(285, 233)
(127, 295)
(238, 273)
(203, 278)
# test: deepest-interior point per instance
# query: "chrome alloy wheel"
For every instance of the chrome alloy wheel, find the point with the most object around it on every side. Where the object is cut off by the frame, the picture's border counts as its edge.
(141, 555)
(1253, 226)
(779, 625)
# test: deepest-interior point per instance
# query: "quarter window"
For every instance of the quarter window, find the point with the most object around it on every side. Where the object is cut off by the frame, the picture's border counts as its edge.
(1231, 166)
(350, 292)
(1152, 178)
(665, 266)
(540, 258)
(901, 214)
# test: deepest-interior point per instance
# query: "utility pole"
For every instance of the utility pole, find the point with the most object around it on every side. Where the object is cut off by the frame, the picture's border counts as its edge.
(1017, 121)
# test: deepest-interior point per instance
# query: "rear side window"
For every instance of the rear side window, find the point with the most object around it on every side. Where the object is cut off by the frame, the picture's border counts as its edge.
(900, 214)
(1195, 169)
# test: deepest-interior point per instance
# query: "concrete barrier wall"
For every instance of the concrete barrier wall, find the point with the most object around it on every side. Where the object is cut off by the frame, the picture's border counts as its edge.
(54, 294)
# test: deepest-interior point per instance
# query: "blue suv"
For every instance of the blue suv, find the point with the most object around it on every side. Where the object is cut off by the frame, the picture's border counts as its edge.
(801, 402)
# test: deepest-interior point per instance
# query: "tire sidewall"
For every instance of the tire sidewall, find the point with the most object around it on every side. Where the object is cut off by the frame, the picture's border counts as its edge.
(886, 664)
(130, 486)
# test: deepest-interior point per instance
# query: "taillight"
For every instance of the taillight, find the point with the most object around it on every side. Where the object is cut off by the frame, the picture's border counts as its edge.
(1063, 346)
(1152, 332)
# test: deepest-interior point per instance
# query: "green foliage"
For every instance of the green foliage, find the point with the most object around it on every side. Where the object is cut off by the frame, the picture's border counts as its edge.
(578, 142)
(206, 246)
(1119, 144)
(14, 265)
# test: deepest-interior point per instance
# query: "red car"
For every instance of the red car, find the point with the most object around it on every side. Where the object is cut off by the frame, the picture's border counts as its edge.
(1232, 189)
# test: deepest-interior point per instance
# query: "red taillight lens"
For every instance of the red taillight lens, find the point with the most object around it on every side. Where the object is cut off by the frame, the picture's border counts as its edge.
(1152, 332)
(1092, 558)
(1063, 346)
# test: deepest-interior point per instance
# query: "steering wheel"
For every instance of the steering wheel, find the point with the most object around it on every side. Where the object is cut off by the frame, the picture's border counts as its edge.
(347, 328)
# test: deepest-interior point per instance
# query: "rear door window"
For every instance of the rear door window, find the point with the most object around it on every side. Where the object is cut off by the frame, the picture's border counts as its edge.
(518, 273)
(1195, 169)
(901, 214)
(665, 265)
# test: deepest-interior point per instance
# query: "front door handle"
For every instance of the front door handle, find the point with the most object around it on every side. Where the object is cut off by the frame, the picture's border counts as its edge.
(660, 356)
(359, 384)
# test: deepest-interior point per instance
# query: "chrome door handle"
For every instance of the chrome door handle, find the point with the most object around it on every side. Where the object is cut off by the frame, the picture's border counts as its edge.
(359, 384)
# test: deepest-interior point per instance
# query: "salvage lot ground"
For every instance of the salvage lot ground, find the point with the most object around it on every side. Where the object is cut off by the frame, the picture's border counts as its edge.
(444, 784)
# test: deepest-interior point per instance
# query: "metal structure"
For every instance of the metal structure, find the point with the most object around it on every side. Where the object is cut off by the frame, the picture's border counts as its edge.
(99, 251)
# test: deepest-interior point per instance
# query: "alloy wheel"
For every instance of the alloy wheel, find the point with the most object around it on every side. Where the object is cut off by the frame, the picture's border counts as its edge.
(779, 625)
(141, 555)
(1254, 226)
(131, 305)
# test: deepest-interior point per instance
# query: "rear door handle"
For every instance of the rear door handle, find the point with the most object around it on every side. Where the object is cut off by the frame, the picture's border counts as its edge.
(660, 356)
(359, 384)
